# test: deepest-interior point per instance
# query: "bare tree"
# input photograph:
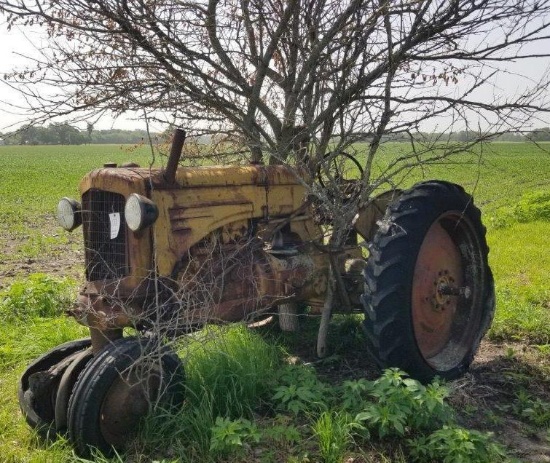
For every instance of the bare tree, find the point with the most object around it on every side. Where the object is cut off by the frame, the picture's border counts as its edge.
(291, 81)
(306, 83)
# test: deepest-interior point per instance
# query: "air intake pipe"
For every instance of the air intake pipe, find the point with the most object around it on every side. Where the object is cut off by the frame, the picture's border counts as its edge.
(175, 155)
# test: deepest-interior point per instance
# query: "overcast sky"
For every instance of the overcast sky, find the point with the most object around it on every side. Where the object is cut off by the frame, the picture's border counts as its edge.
(15, 43)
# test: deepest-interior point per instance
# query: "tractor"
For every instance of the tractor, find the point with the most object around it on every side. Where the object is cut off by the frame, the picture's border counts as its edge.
(170, 249)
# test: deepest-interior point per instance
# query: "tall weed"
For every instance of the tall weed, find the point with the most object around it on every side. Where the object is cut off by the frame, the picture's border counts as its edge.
(232, 365)
(333, 432)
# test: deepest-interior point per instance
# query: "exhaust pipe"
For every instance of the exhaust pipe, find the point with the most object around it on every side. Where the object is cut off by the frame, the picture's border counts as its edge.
(175, 154)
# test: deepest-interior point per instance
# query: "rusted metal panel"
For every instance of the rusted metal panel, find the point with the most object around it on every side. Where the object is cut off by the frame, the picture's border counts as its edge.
(118, 180)
(222, 205)
(212, 197)
(200, 177)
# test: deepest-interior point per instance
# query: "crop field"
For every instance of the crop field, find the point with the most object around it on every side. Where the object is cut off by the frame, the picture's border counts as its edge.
(310, 413)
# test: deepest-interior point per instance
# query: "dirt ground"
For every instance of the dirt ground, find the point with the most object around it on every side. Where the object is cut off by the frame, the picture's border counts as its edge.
(486, 398)
(490, 396)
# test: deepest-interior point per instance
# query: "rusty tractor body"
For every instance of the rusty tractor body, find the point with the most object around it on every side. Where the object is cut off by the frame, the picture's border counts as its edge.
(168, 250)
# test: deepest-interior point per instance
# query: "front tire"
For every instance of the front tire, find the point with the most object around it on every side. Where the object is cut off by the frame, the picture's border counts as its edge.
(429, 290)
(37, 387)
(117, 388)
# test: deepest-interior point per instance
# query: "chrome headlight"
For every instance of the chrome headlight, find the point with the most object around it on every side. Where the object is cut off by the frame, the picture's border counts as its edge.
(140, 212)
(69, 213)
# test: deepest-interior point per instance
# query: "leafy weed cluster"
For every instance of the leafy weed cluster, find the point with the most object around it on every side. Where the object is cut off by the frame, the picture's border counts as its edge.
(533, 206)
(285, 413)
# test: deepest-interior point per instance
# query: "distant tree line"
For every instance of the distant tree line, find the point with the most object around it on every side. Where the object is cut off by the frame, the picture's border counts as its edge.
(540, 134)
(66, 134)
(465, 136)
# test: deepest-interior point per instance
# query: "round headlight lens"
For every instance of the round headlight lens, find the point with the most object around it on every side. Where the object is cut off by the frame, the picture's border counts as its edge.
(140, 212)
(69, 213)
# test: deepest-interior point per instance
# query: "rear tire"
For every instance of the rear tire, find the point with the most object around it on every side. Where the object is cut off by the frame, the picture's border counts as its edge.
(429, 296)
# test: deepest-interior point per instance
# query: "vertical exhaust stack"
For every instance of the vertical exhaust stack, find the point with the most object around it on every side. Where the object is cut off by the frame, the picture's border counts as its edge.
(175, 155)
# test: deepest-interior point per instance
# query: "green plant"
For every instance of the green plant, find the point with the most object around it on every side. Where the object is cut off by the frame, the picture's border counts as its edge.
(355, 394)
(282, 431)
(39, 295)
(232, 365)
(185, 433)
(534, 205)
(401, 404)
(228, 372)
(452, 444)
(493, 419)
(333, 431)
(534, 410)
(300, 391)
(230, 436)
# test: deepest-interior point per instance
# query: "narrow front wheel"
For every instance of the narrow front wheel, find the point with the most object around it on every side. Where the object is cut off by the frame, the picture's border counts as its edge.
(118, 388)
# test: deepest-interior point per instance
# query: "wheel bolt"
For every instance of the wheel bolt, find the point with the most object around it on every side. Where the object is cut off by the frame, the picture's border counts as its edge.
(447, 290)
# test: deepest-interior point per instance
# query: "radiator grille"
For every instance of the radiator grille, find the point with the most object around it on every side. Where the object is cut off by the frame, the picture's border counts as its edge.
(105, 243)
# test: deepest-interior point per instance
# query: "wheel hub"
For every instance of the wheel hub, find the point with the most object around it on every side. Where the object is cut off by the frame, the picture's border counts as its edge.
(441, 298)
(437, 278)
(128, 400)
(445, 290)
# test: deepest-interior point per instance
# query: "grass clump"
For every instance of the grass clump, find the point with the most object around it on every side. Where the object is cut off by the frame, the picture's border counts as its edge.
(229, 374)
(233, 365)
(39, 295)
(533, 206)
(333, 432)
(31, 309)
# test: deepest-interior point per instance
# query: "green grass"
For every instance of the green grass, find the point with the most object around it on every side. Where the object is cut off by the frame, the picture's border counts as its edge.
(507, 182)
(497, 174)
(33, 179)
(218, 363)
(520, 261)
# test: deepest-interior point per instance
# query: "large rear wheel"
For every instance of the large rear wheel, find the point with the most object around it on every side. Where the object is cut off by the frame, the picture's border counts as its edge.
(429, 290)
(118, 388)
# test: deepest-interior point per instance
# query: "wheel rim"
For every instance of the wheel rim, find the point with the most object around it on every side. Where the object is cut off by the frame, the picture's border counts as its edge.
(127, 401)
(446, 284)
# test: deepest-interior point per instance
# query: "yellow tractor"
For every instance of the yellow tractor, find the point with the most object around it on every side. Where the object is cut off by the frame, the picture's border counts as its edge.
(168, 250)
